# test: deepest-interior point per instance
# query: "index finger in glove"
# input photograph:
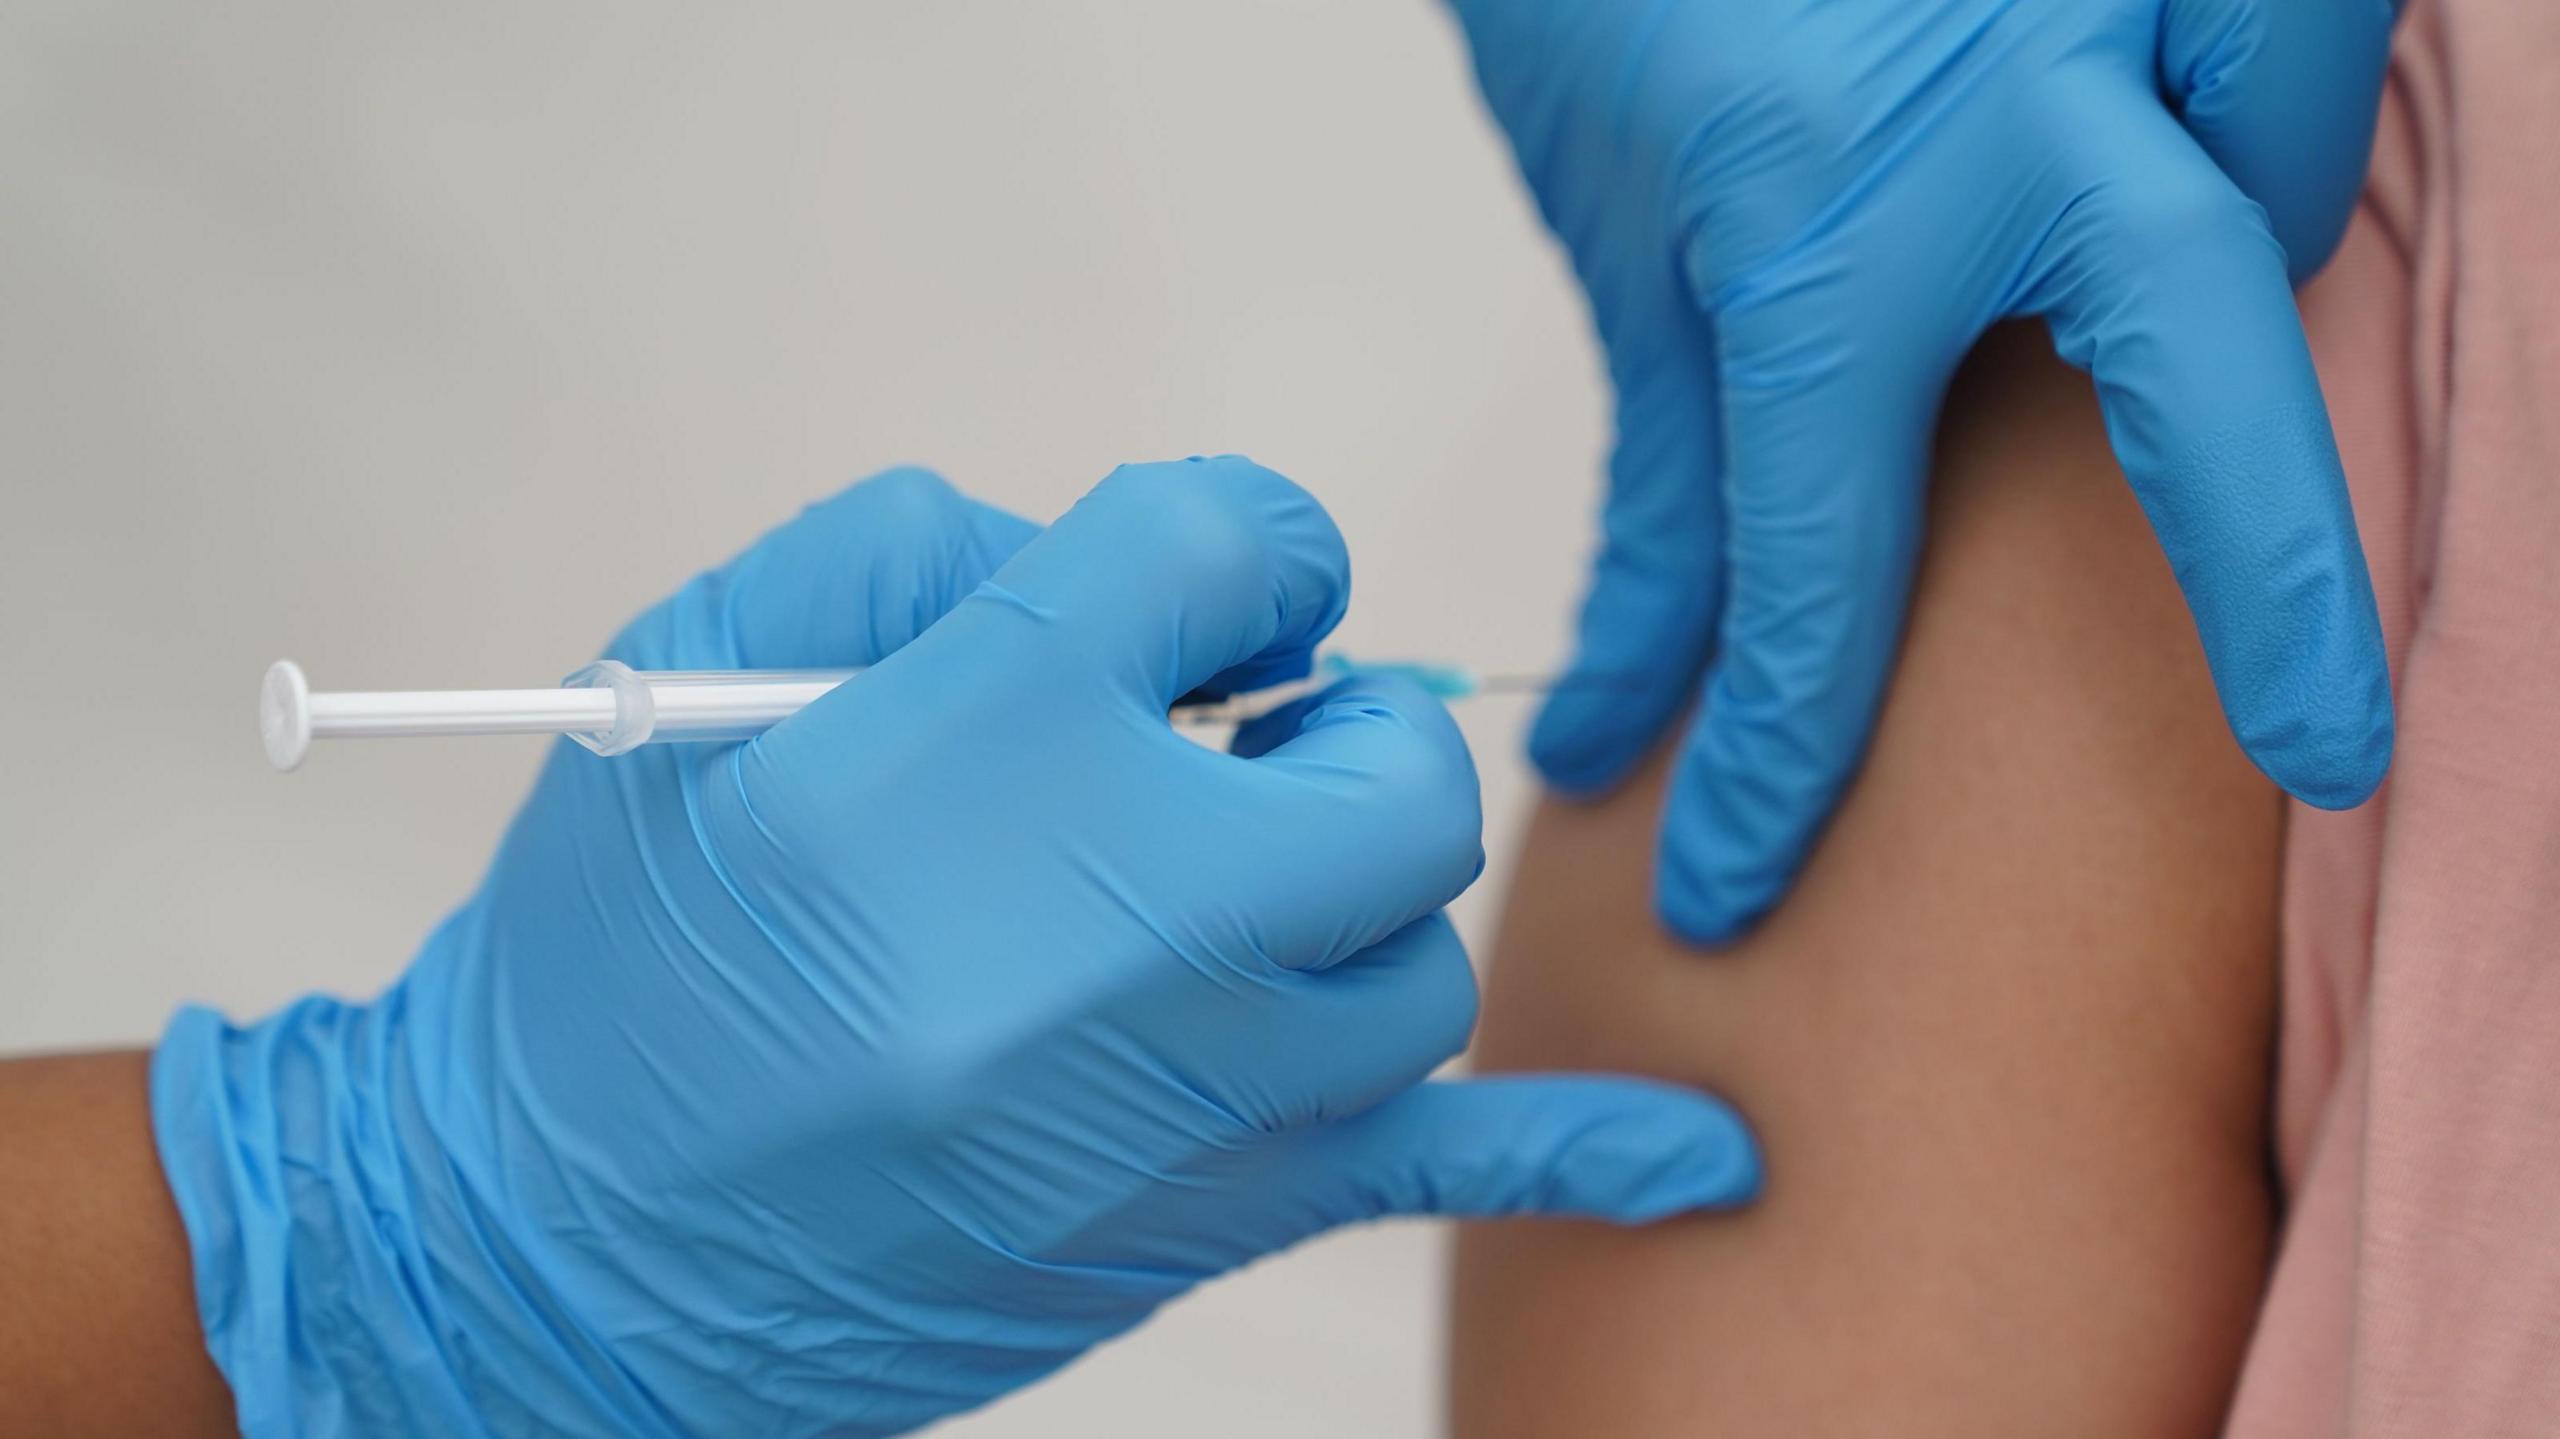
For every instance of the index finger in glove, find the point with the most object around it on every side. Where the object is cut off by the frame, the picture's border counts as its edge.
(1165, 578)
(847, 582)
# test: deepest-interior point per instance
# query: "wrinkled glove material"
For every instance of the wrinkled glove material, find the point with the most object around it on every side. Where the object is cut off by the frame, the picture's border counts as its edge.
(1793, 221)
(843, 1079)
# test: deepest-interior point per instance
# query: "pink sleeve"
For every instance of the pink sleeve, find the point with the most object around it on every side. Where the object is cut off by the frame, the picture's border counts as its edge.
(2418, 1097)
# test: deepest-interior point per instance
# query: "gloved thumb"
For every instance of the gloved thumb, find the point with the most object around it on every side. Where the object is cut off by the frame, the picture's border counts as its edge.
(1629, 1151)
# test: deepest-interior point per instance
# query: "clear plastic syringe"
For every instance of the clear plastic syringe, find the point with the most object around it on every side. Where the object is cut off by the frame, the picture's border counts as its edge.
(612, 708)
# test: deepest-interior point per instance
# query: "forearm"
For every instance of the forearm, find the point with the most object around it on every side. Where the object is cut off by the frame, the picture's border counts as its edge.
(98, 1326)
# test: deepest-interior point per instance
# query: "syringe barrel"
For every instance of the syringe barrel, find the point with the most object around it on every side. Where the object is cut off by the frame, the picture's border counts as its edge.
(712, 705)
(664, 706)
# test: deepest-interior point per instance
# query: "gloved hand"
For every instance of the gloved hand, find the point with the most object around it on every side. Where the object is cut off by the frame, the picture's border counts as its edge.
(1793, 221)
(837, 1081)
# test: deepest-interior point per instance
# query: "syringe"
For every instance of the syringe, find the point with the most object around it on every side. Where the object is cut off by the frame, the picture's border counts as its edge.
(613, 709)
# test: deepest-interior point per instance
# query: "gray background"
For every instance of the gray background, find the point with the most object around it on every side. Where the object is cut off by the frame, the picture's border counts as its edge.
(423, 344)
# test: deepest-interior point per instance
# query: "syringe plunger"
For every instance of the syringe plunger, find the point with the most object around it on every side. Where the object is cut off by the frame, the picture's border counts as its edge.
(612, 708)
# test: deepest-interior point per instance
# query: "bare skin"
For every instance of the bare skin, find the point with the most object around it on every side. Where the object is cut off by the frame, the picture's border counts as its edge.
(2007, 1044)
(98, 1328)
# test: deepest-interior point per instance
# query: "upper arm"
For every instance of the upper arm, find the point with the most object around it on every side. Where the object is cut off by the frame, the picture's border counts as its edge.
(2006, 1043)
(98, 1327)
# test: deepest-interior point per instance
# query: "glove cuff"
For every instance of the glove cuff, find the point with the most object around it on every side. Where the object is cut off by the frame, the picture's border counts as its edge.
(309, 1280)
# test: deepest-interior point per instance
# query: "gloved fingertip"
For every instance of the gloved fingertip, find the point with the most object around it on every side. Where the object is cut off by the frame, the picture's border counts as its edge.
(2307, 689)
(1644, 637)
(1663, 1153)
(1711, 889)
(1583, 744)
(1701, 917)
(2329, 762)
(1604, 715)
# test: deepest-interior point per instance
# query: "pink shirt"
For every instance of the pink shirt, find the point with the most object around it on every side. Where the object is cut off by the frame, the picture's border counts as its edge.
(2417, 1291)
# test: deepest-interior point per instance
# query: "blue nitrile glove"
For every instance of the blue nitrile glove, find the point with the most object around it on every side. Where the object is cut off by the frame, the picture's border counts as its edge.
(1794, 219)
(837, 1081)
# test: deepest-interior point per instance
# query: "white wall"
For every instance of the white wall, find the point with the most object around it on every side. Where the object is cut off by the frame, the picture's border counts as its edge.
(424, 343)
